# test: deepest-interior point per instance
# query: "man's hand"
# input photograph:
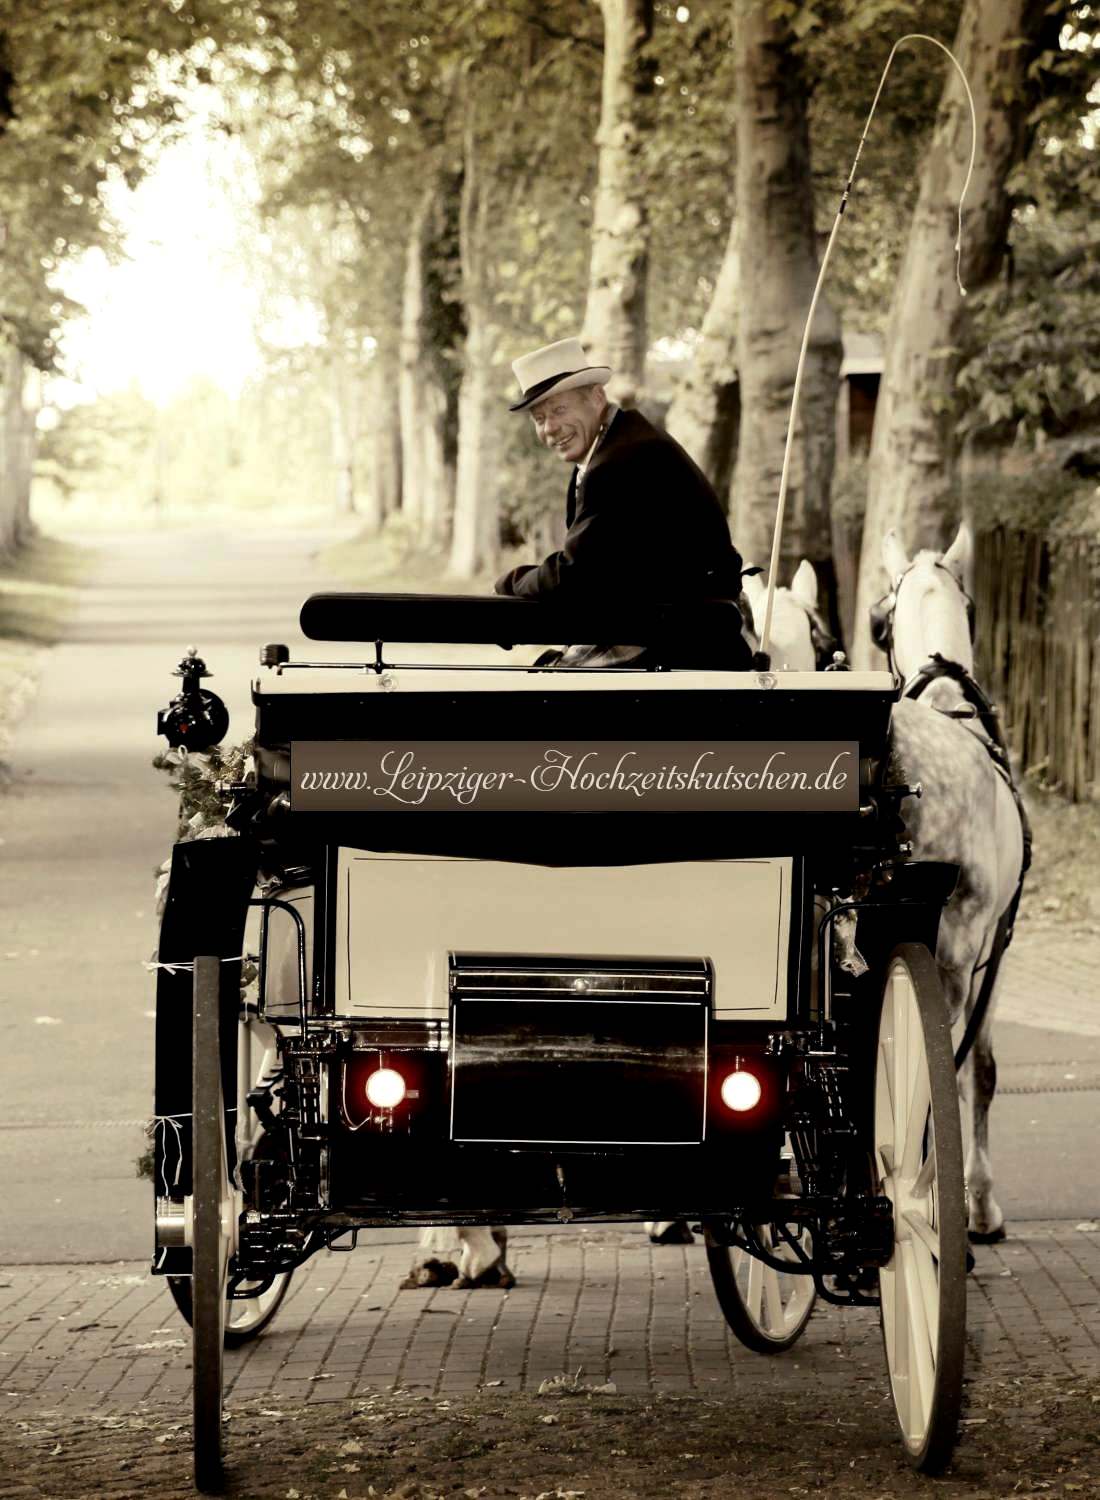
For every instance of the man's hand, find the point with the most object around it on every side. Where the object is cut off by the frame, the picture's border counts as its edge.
(506, 583)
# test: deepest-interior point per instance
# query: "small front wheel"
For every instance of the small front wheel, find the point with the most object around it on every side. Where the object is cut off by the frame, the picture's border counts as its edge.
(766, 1309)
(245, 1317)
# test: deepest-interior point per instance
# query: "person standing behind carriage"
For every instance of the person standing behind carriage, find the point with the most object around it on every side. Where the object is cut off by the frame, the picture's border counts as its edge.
(644, 523)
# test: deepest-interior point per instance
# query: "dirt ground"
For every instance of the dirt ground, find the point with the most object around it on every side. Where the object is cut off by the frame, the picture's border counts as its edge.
(1024, 1438)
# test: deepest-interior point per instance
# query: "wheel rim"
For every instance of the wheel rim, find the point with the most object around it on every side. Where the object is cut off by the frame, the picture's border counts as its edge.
(243, 1314)
(776, 1304)
(911, 1163)
(215, 1210)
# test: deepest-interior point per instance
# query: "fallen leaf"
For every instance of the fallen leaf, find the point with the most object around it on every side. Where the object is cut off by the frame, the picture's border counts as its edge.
(550, 1421)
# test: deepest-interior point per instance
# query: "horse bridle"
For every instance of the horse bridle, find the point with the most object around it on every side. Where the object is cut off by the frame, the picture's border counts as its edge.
(882, 618)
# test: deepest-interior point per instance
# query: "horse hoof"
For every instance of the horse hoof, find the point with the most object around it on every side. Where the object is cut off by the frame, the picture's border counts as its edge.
(497, 1277)
(677, 1233)
(987, 1236)
(430, 1273)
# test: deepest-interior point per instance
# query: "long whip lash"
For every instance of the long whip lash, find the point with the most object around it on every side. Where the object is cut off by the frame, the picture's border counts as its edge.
(914, 36)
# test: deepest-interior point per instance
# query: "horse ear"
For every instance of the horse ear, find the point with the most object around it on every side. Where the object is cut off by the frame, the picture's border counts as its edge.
(804, 584)
(957, 557)
(894, 559)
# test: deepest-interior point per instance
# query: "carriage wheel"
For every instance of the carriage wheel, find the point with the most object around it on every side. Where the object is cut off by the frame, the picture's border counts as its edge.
(214, 1227)
(245, 1317)
(766, 1309)
(918, 1152)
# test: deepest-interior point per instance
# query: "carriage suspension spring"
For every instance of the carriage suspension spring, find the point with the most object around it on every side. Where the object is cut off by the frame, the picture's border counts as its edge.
(310, 1125)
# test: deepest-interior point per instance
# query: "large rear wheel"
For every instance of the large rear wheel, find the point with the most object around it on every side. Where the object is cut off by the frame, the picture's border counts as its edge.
(767, 1309)
(918, 1154)
(215, 1209)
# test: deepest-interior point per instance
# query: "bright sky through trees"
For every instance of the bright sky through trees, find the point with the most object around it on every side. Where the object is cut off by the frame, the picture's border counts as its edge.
(181, 302)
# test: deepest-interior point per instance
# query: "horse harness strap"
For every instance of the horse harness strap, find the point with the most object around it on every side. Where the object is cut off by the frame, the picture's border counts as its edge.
(939, 666)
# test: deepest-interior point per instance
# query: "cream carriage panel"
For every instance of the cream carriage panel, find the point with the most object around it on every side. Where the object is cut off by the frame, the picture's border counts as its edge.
(398, 917)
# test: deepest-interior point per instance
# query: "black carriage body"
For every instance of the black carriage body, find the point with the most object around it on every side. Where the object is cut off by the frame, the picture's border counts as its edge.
(544, 1080)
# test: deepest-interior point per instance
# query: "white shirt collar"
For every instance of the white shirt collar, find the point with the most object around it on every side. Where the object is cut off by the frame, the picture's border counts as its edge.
(612, 413)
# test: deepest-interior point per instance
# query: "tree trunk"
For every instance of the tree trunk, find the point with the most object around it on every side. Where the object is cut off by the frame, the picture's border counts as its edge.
(14, 470)
(912, 482)
(430, 326)
(779, 267)
(475, 533)
(383, 425)
(342, 412)
(614, 330)
(30, 405)
(706, 408)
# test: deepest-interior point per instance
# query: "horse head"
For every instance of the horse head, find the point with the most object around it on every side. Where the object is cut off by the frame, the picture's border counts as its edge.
(800, 639)
(927, 611)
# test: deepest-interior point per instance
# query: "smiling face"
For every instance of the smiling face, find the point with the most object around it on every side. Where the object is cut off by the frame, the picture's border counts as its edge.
(567, 421)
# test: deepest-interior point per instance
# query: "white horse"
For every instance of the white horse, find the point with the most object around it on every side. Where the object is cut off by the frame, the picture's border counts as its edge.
(799, 635)
(967, 814)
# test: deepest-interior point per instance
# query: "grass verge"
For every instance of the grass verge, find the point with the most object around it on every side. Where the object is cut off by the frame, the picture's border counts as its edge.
(38, 589)
(1063, 884)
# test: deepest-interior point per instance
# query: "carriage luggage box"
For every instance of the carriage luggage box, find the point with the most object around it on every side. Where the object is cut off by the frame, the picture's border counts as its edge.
(582, 1052)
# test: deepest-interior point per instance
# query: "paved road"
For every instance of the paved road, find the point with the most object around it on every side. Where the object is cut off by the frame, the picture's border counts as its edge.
(86, 821)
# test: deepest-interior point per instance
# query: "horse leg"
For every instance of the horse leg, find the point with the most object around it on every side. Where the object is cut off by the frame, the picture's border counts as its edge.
(986, 1218)
(669, 1232)
(433, 1264)
(482, 1262)
(465, 1258)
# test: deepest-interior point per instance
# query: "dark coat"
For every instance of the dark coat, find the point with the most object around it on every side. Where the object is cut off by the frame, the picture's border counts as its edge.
(643, 524)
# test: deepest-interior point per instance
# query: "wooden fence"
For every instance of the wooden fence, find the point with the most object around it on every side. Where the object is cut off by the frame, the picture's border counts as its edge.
(1037, 605)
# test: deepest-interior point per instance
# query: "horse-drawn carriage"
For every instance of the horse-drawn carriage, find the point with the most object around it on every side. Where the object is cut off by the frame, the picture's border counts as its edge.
(562, 946)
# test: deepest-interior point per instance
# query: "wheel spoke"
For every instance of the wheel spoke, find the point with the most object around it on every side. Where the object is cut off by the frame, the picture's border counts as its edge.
(925, 1180)
(921, 1364)
(922, 1228)
(773, 1300)
(916, 1123)
(928, 1276)
(754, 1298)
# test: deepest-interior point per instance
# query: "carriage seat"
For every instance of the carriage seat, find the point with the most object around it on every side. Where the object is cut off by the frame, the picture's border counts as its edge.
(704, 634)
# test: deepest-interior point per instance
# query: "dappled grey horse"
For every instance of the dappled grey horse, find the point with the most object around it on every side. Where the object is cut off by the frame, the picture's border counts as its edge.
(944, 736)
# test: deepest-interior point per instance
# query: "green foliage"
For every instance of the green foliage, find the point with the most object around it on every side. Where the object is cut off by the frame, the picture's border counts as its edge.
(354, 111)
(1040, 497)
(84, 90)
(268, 449)
(194, 777)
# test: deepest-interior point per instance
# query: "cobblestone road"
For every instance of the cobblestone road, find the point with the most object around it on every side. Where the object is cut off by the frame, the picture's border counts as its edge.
(104, 1338)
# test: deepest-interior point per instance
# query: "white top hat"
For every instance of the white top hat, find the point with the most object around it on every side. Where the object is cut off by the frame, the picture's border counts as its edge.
(556, 367)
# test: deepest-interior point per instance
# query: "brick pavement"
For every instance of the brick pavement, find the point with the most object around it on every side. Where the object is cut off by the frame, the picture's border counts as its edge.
(102, 1339)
